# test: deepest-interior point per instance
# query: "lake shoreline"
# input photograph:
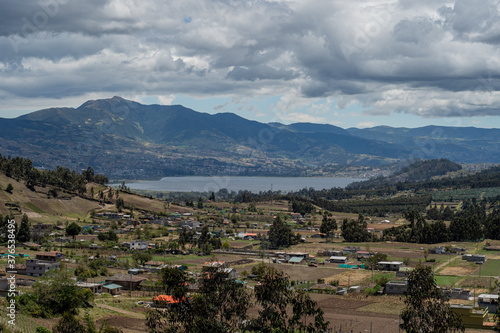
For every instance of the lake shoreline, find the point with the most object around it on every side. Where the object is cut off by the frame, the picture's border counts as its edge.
(254, 184)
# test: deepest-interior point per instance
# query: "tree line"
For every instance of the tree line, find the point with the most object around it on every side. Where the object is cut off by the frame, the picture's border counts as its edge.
(20, 168)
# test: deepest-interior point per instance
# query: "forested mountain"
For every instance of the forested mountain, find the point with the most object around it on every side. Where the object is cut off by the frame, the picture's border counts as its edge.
(125, 139)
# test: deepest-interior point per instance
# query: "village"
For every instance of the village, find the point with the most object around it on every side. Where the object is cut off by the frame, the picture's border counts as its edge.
(359, 286)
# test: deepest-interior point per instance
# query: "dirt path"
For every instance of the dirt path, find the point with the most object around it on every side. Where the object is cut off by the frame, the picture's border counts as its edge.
(125, 312)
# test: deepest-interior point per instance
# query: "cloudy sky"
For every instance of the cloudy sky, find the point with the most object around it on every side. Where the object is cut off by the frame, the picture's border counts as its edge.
(349, 63)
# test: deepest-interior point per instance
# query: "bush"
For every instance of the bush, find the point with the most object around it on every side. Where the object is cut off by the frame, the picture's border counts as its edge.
(373, 291)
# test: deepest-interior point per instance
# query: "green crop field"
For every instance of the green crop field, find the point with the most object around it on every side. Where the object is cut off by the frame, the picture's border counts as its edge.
(447, 280)
(491, 268)
(478, 193)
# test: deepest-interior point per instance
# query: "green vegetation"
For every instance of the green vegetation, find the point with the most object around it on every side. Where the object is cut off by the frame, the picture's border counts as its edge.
(491, 267)
(447, 280)
(222, 303)
(426, 308)
(54, 294)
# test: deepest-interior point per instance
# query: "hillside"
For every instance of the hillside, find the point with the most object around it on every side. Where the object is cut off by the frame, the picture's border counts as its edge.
(128, 140)
(422, 170)
(41, 205)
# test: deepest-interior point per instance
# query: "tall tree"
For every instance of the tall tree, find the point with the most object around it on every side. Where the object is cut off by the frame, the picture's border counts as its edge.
(426, 308)
(281, 235)
(24, 232)
(73, 229)
(218, 307)
(328, 226)
(275, 295)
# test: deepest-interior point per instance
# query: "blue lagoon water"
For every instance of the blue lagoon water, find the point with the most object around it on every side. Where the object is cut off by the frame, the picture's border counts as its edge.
(232, 183)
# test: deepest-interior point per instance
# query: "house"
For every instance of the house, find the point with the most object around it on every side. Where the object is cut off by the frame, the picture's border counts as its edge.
(112, 288)
(50, 256)
(488, 301)
(456, 293)
(32, 245)
(295, 216)
(153, 266)
(338, 259)
(363, 254)
(472, 317)
(390, 265)
(127, 281)
(404, 271)
(474, 257)
(249, 236)
(438, 250)
(96, 288)
(36, 267)
(220, 266)
(351, 249)
(190, 225)
(165, 300)
(136, 245)
(337, 253)
(297, 261)
(396, 287)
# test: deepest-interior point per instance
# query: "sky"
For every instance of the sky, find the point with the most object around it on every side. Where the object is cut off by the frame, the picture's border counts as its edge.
(357, 63)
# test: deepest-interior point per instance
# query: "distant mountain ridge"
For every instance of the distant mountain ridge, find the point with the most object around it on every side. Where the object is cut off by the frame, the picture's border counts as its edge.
(126, 139)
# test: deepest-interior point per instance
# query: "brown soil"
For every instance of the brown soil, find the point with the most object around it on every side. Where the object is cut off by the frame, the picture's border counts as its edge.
(127, 324)
(458, 270)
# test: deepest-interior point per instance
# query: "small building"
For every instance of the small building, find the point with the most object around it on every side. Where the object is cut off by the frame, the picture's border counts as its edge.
(35, 267)
(112, 288)
(297, 261)
(438, 250)
(127, 281)
(136, 245)
(390, 265)
(96, 288)
(338, 259)
(214, 264)
(472, 317)
(363, 254)
(474, 257)
(336, 253)
(404, 271)
(50, 256)
(488, 301)
(456, 293)
(396, 287)
(350, 249)
(32, 245)
(162, 301)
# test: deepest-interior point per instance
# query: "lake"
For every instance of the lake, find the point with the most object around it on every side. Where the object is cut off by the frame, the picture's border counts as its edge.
(232, 183)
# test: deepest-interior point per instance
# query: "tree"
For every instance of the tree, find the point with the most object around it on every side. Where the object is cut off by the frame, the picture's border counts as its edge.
(426, 308)
(218, 307)
(355, 230)
(53, 294)
(24, 232)
(69, 324)
(281, 235)
(9, 188)
(73, 229)
(120, 204)
(142, 257)
(328, 226)
(275, 295)
(200, 203)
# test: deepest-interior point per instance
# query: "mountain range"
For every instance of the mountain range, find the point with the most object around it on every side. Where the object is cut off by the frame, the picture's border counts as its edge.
(129, 140)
